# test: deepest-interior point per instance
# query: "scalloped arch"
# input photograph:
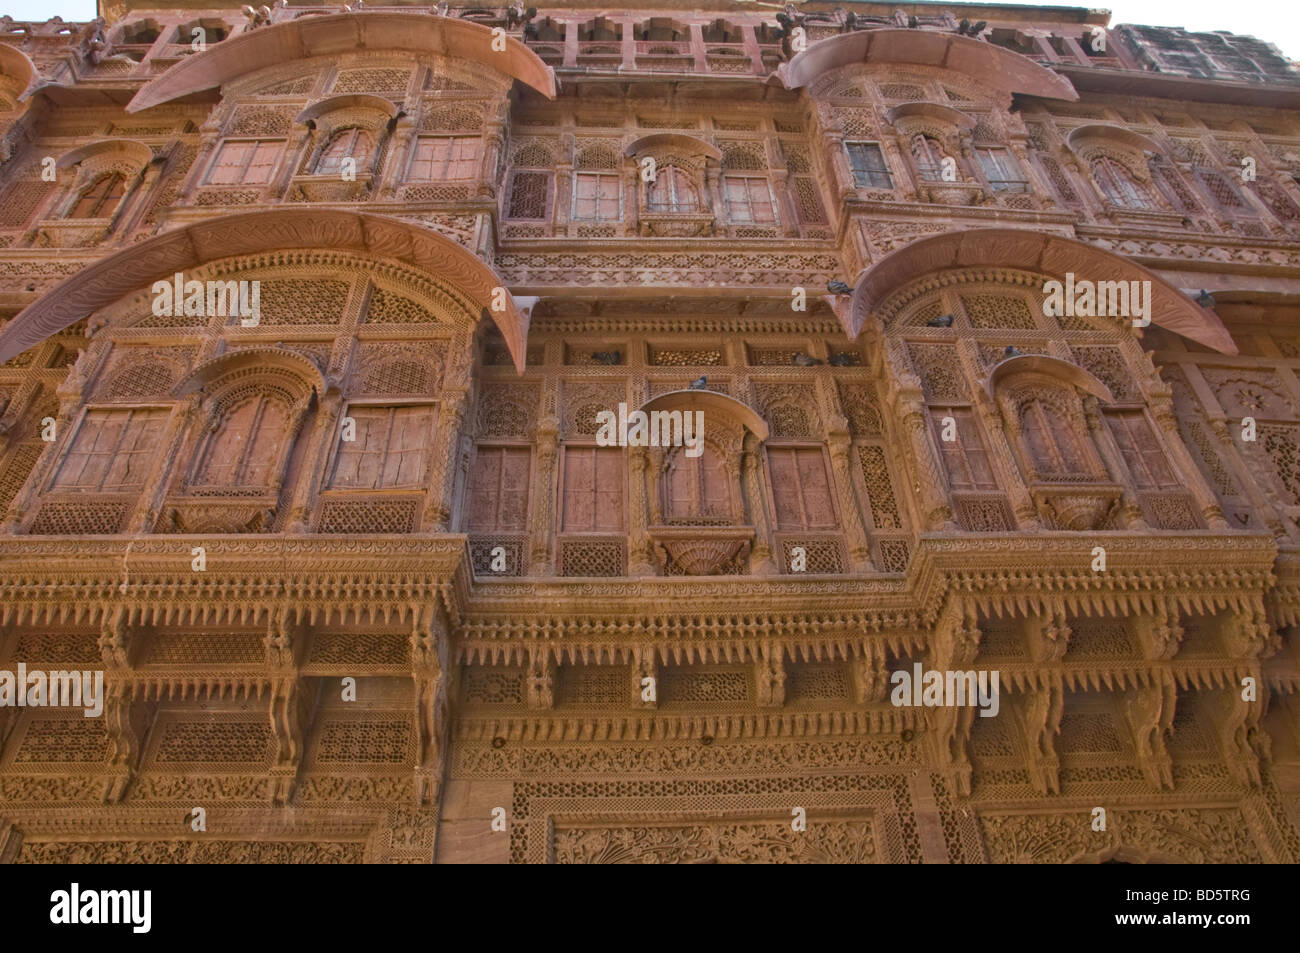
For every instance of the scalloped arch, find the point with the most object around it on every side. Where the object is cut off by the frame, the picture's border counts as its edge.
(257, 358)
(181, 249)
(1050, 368)
(1001, 68)
(675, 141)
(343, 33)
(1032, 251)
(708, 399)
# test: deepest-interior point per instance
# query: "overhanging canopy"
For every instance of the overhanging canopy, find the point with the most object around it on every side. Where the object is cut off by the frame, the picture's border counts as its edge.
(344, 33)
(182, 249)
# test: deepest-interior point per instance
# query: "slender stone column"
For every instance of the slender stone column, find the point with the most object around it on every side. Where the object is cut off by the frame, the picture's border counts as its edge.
(317, 453)
(442, 472)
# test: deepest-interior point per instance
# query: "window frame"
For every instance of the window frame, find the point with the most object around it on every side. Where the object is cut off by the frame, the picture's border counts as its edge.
(328, 484)
(51, 481)
(673, 208)
(749, 203)
(1016, 186)
(597, 174)
(455, 141)
(112, 179)
(500, 446)
(796, 447)
(335, 136)
(884, 162)
(243, 173)
(561, 486)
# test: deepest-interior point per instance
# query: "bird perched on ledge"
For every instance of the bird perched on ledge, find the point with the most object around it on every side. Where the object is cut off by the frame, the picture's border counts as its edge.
(942, 321)
(805, 360)
(1205, 299)
(1012, 351)
(839, 288)
(700, 383)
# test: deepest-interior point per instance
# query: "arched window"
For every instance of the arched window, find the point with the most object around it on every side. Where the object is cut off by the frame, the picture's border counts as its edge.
(101, 197)
(354, 143)
(248, 447)
(672, 191)
(1118, 185)
(697, 489)
(928, 155)
(1051, 442)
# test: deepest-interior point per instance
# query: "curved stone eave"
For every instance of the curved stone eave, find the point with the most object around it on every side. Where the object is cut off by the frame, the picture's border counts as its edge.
(705, 399)
(17, 64)
(183, 249)
(214, 368)
(1000, 68)
(1103, 130)
(1052, 367)
(1027, 250)
(674, 140)
(344, 33)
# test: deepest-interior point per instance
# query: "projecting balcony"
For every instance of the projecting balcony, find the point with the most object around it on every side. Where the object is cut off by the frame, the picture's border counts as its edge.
(600, 53)
(728, 58)
(701, 550)
(665, 55)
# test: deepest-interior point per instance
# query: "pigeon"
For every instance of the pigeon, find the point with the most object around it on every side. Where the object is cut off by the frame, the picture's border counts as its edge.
(841, 360)
(803, 360)
(912, 23)
(978, 28)
(839, 288)
(606, 357)
(1012, 351)
(1205, 299)
(963, 26)
(943, 321)
(700, 383)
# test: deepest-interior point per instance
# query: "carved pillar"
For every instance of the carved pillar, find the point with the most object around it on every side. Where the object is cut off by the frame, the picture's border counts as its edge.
(1022, 503)
(645, 665)
(541, 678)
(870, 674)
(713, 182)
(398, 149)
(148, 507)
(430, 645)
(318, 449)
(844, 184)
(1104, 441)
(950, 743)
(563, 197)
(839, 443)
(1149, 712)
(640, 553)
(208, 145)
(286, 708)
(761, 562)
(770, 674)
(1040, 715)
(124, 724)
(494, 141)
(1162, 409)
(1049, 636)
(931, 484)
(634, 197)
(542, 522)
(1236, 721)
(442, 472)
(789, 218)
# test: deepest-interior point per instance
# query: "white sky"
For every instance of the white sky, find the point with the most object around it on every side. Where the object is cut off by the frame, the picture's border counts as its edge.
(1277, 21)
